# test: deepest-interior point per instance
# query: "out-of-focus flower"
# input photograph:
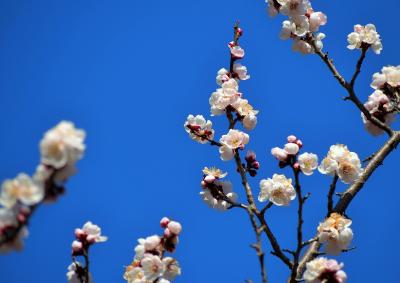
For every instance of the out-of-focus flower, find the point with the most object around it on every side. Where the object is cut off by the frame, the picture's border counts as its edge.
(22, 189)
(75, 271)
(279, 190)
(323, 270)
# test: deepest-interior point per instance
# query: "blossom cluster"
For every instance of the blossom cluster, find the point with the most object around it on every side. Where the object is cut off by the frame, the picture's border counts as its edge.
(60, 148)
(384, 102)
(342, 162)
(323, 270)
(365, 37)
(216, 193)
(336, 233)
(85, 237)
(303, 21)
(278, 190)
(149, 264)
(288, 155)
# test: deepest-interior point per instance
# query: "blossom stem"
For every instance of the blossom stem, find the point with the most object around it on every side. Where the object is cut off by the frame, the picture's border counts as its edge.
(331, 193)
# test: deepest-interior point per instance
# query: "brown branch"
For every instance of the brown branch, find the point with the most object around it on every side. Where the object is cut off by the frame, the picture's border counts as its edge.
(349, 87)
(300, 222)
(331, 193)
(359, 64)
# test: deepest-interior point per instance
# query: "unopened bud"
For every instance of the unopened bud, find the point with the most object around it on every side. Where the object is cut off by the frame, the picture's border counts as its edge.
(164, 222)
(299, 143)
(255, 165)
(252, 172)
(291, 138)
(239, 31)
(296, 166)
(77, 246)
(209, 179)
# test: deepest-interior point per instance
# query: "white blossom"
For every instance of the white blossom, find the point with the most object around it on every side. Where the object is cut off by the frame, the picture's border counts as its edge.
(151, 243)
(323, 270)
(93, 233)
(389, 75)
(291, 148)
(308, 163)
(214, 199)
(367, 35)
(241, 71)
(237, 52)
(215, 172)
(287, 30)
(135, 274)
(22, 189)
(172, 268)
(152, 267)
(226, 153)
(199, 129)
(317, 19)
(235, 139)
(250, 121)
(224, 96)
(341, 161)
(279, 153)
(175, 227)
(336, 233)
(302, 46)
(293, 8)
(62, 145)
(222, 76)
(279, 190)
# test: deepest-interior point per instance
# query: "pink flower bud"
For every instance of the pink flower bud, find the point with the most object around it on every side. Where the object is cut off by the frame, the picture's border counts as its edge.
(292, 148)
(296, 166)
(21, 218)
(231, 44)
(209, 179)
(291, 138)
(167, 233)
(175, 227)
(255, 165)
(164, 222)
(203, 184)
(77, 246)
(299, 143)
(239, 31)
(91, 239)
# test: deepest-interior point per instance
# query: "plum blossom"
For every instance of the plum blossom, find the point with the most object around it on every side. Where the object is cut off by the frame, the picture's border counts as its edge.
(293, 8)
(224, 96)
(317, 19)
(234, 139)
(222, 76)
(323, 270)
(152, 267)
(290, 149)
(247, 112)
(93, 233)
(62, 145)
(237, 52)
(199, 129)
(219, 195)
(172, 268)
(240, 71)
(308, 163)
(341, 161)
(75, 272)
(366, 35)
(389, 75)
(336, 233)
(279, 190)
(21, 189)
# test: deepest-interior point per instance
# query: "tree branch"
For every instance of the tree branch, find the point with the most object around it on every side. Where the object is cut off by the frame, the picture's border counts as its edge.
(331, 193)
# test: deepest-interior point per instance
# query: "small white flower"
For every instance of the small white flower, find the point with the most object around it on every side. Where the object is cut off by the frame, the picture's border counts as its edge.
(151, 243)
(250, 121)
(293, 8)
(302, 46)
(389, 75)
(135, 274)
(287, 30)
(308, 163)
(175, 227)
(321, 270)
(22, 189)
(237, 52)
(317, 19)
(235, 139)
(62, 145)
(223, 97)
(341, 161)
(279, 190)
(336, 233)
(152, 267)
(241, 71)
(365, 34)
(172, 268)
(93, 233)
(214, 199)
(215, 172)
(222, 76)
(244, 108)
(291, 148)
(226, 153)
(302, 25)
(279, 153)
(199, 129)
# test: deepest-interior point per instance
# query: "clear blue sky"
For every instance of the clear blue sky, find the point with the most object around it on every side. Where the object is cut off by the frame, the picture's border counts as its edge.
(129, 72)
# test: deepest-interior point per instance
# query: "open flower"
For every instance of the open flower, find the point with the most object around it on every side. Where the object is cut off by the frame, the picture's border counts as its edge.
(92, 232)
(279, 190)
(336, 233)
(152, 267)
(224, 96)
(199, 129)
(341, 161)
(215, 172)
(308, 163)
(240, 71)
(365, 35)
(62, 145)
(323, 270)
(22, 189)
(172, 268)
(235, 139)
(75, 271)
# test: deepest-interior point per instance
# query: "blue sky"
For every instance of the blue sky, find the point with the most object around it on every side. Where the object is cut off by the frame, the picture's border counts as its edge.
(129, 72)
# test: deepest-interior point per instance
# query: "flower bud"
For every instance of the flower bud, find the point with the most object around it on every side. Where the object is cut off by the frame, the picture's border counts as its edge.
(255, 165)
(164, 222)
(299, 143)
(175, 227)
(292, 148)
(77, 246)
(291, 138)
(209, 179)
